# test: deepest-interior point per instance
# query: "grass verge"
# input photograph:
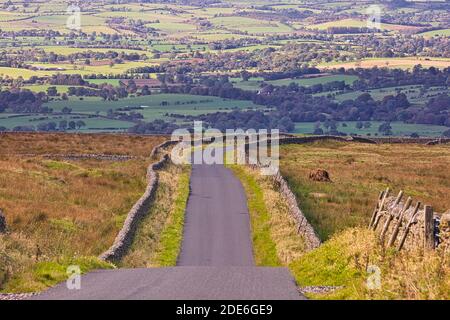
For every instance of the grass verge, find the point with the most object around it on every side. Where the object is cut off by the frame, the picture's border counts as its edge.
(345, 258)
(274, 232)
(264, 249)
(42, 275)
(158, 238)
(172, 235)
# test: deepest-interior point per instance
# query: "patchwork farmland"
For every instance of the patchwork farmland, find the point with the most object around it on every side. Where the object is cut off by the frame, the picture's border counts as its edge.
(92, 92)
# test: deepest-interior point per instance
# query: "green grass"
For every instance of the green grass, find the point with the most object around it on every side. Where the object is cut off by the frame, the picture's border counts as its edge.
(412, 92)
(250, 25)
(114, 82)
(173, 27)
(357, 24)
(65, 50)
(398, 128)
(306, 82)
(43, 88)
(441, 32)
(49, 273)
(264, 248)
(60, 165)
(332, 265)
(158, 106)
(158, 237)
(18, 72)
(93, 124)
(343, 262)
(172, 234)
(254, 84)
(91, 69)
(153, 106)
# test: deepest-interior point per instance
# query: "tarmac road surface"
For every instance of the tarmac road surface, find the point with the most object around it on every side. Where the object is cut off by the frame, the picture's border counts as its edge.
(217, 226)
(181, 283)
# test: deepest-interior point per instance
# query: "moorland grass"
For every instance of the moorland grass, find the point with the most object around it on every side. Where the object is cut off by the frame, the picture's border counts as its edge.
(358, 173)
(63, 143)
(343, 261)
(62, 212)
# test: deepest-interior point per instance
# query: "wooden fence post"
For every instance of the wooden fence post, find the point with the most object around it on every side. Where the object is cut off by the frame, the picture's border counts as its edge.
(375, 211)
(408, 226)
(390, 217)
(428, 228)
(399, 222)
(378, 216)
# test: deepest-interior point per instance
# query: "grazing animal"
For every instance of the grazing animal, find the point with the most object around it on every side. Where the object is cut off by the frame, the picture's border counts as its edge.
(319, 175)
(2, 222)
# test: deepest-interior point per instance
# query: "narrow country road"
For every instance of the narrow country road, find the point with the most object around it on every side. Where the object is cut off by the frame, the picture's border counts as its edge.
(181, 283)
(216, 259)
(217, 226)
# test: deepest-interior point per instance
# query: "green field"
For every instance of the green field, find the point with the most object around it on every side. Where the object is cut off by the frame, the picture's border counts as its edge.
(306, 82)
(441, 32)
(113, 82)
(93, 124)
(155, 105)
(250, 25)
(255, 83)
(398, 129)
(93, 110)
(356, 23)
(72, 50)
(416, 94)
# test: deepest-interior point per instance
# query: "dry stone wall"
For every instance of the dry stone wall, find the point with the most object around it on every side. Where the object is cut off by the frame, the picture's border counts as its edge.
(124, 239)
(304, 227)
(85, 156)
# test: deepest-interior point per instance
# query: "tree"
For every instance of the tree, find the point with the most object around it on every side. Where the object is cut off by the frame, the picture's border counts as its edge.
(66, 110)
(385, 128)
(62, 125)
(245, 75)
(80, 123)
(52, 91)
(146, 91)
(446, 133)
(72, 125)
(367, 124)
(318, 131)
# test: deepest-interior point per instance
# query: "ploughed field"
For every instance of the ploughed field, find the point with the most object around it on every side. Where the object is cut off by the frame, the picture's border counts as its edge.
(358, 173)
(61, 212)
